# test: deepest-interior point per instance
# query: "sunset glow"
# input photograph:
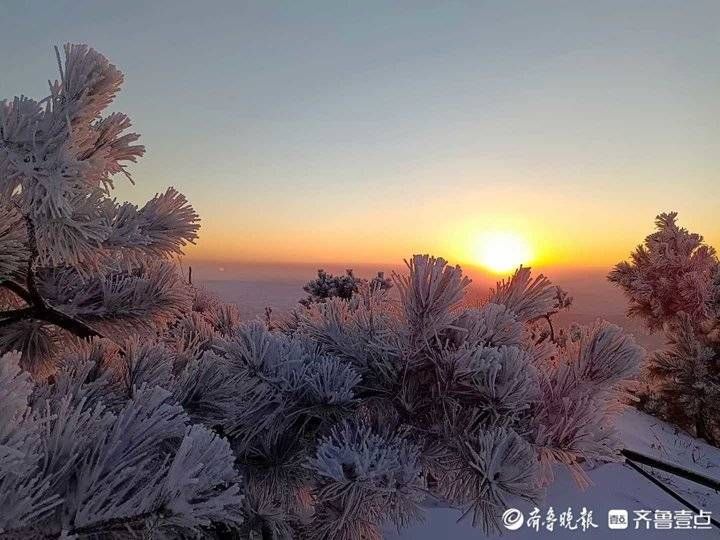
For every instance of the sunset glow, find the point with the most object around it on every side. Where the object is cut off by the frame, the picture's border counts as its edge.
(502, 252)
(374, 142)
(367, 255)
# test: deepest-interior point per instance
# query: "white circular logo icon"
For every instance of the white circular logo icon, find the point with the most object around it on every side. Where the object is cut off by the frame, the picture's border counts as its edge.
(513, 519)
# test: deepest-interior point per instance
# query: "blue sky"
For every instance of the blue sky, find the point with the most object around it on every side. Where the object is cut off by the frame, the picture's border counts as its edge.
(363, 131)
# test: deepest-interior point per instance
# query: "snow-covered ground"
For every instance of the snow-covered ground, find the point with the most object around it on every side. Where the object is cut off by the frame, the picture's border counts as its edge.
(615, 486)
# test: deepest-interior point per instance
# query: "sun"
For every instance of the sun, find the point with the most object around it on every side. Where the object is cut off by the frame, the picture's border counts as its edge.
(502, 252)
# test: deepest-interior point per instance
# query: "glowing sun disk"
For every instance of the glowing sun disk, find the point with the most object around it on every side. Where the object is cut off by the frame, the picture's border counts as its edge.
(502, 251)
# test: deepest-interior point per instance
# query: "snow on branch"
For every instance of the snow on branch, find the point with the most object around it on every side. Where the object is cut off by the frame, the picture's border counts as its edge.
(152, 410)
(161, 228)
(72, 260)
(573, 420)
(486, 471)
(672, 282)
(525, 297)
(492, 324)
(119, 303)
(96, 473)
(670, 273)
(13, 251)
(365, 476)
(429, 294)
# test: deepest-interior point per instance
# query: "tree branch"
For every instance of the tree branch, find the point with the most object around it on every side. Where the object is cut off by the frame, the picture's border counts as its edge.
(17, 289)
(37, 299)
(139, 523)
(66, 322)
(668, 490)
(50, 315)
(671, 468)
(552, 329)
(38, 308)
(9, 317)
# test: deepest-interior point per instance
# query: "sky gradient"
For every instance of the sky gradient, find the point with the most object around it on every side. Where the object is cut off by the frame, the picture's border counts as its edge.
(364, 132)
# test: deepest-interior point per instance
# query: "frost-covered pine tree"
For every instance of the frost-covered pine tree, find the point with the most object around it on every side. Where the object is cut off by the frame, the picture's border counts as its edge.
(673, 283)
(132, 404)
(90, 445)
(400, 397)
(327, 285)
(75, 261)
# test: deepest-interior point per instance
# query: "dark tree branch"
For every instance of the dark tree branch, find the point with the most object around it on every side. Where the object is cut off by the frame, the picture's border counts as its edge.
(133, 524)
(37, 299)
(138, 523)
(552, 329)
(9, 317)
(706, 481)
(17, 289)
(71, 324)
(667, 490)
(49, 315)
(38, 308)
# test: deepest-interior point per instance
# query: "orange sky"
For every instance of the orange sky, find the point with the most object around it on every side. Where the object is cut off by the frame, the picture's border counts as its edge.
(366, 132)
(576, 228)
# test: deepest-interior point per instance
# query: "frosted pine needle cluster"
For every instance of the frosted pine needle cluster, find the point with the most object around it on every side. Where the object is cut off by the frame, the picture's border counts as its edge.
(74, 260)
